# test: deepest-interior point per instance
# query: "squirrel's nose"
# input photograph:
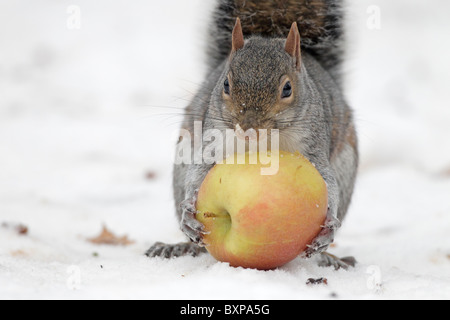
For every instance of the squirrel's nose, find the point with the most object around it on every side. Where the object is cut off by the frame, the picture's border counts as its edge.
(249, 120)
(248, 125)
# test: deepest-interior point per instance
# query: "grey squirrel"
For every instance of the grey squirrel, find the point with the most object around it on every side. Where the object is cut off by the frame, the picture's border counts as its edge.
(275, 64)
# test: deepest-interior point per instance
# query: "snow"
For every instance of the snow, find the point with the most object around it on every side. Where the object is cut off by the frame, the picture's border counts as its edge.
(86, 113)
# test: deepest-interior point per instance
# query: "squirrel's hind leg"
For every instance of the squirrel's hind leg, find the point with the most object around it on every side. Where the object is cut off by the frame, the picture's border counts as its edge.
(169, 251)
(328, 260)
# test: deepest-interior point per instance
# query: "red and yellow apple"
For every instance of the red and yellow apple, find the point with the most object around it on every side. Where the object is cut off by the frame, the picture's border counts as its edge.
(262, 221)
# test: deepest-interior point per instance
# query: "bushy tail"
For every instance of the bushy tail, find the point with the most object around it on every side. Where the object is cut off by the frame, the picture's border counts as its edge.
(320, 23)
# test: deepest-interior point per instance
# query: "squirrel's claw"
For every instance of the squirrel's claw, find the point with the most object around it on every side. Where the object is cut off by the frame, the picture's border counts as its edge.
(190, 226)
(194, 233)
(324, 239)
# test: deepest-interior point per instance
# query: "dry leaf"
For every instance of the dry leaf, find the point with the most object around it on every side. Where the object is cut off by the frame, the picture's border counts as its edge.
(107, 237)
(18, 253)
(150, 175)
(17, 227)
(446, 173)
(314, 282)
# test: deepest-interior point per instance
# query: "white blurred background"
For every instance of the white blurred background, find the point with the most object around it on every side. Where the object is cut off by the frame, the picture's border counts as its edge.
(90, 97)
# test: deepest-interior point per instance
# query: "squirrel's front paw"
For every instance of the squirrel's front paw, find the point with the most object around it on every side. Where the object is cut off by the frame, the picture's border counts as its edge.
(190, 225)
(324, 239)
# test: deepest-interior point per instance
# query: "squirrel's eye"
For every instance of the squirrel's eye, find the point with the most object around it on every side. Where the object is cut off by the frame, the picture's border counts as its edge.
(226, 87)
(287, 90)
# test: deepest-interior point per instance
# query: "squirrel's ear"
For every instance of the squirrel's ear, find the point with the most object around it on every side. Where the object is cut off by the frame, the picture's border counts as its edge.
(293, 45)
(238, 36)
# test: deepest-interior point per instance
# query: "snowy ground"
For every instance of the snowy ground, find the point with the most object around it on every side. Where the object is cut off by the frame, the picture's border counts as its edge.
(86, 114)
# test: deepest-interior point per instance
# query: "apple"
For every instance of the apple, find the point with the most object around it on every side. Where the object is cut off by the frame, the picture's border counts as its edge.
(262, 221)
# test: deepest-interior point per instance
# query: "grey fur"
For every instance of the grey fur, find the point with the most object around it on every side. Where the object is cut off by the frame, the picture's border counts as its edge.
(318, 123)
(325, 42)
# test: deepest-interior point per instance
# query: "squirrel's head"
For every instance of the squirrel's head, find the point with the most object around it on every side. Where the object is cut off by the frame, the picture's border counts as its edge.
(261, 80)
